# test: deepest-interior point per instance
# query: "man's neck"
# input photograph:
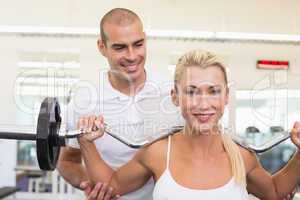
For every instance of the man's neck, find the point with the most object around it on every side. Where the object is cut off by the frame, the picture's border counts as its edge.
(125, 85)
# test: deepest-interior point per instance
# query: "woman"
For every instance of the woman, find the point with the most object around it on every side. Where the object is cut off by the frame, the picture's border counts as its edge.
(201, 161)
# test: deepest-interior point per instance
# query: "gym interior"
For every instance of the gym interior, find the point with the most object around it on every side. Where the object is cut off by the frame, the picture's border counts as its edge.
(48, 46)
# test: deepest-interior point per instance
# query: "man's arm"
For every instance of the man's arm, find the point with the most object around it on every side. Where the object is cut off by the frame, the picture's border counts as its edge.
(70, 166)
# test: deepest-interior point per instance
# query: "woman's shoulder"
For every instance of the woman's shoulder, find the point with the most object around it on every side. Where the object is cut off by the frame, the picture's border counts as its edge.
(157, 147)
(250, 159)
(154, 155)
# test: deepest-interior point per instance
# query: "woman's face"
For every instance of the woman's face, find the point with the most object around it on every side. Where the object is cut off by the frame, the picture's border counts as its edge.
(202, 95)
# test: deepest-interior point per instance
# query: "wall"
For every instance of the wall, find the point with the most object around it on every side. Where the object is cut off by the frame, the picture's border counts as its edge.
(251, 16)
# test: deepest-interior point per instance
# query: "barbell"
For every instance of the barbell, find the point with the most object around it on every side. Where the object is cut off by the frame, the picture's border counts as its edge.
(49, 142)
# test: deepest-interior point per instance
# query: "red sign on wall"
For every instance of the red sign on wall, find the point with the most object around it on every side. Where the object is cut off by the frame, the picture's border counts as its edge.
(272, 64)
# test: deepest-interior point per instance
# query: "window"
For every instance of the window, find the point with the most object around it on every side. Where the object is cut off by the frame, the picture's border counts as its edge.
(42, 74)
(260, 114)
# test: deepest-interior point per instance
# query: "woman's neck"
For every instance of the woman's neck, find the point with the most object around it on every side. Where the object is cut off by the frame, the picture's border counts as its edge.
(204, 145)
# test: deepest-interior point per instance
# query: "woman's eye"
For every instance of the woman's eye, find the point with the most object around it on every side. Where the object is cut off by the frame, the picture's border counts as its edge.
(215, 91)
(190, 92)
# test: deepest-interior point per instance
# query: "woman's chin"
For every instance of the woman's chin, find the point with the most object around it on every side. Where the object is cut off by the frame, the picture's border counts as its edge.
(204, 129)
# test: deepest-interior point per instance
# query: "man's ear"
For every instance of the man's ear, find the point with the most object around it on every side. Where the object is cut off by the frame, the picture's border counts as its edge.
(174, 97)
(101, 47)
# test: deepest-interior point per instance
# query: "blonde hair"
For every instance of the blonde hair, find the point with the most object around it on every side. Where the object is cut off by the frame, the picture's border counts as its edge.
(199, 58)
(204, 59)
(235, 157)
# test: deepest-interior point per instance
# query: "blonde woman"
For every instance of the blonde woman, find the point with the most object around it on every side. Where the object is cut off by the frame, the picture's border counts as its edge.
(201, 161)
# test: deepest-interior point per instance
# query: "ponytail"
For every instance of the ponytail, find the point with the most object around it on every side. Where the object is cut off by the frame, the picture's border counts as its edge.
(236, 160)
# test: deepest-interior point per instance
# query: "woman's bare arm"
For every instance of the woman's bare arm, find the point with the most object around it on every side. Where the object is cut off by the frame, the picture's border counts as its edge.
(267, 186)
(129, 177)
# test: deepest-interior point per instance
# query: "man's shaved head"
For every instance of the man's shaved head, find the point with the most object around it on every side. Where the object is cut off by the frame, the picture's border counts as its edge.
(118, 16)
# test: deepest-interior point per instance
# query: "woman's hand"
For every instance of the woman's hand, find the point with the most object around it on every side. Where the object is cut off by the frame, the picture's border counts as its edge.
(295, 134)
(92, 128)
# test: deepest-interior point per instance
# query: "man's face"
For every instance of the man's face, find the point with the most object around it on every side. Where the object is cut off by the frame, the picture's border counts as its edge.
(125, 49)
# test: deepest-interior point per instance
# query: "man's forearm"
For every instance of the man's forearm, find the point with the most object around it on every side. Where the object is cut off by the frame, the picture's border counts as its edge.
(73, 173)
(288, 178)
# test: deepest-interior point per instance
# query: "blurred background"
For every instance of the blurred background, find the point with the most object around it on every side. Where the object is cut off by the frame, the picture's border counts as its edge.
(48, 48)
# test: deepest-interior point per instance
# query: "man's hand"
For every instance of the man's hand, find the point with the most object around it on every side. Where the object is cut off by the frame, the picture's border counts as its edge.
(295, 134)
(101, 191)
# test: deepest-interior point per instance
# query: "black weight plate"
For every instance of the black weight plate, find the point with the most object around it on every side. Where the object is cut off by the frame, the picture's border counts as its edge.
(48, 125)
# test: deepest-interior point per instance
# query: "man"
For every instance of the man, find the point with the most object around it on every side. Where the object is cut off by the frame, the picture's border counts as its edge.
(123, 43)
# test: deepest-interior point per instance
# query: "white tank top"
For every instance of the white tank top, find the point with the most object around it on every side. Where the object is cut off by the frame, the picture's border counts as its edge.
(166, 188)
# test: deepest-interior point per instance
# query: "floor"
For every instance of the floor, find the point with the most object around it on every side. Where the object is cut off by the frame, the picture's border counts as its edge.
(43, 196)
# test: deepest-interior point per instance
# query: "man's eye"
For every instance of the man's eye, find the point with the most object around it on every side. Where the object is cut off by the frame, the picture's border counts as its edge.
(139, 44)
(118, 48)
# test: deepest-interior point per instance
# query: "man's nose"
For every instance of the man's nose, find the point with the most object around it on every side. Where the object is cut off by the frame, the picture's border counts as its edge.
(131, 54)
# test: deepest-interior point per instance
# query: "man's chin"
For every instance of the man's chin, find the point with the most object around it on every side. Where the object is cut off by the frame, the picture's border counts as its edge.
(129, 75)
(134, 75)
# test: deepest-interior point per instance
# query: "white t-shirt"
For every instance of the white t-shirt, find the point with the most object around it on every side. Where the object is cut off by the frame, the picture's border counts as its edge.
(167, 188)
(140, 116)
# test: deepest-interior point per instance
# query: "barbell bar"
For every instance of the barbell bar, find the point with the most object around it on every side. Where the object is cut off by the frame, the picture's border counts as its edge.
(49, 142)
